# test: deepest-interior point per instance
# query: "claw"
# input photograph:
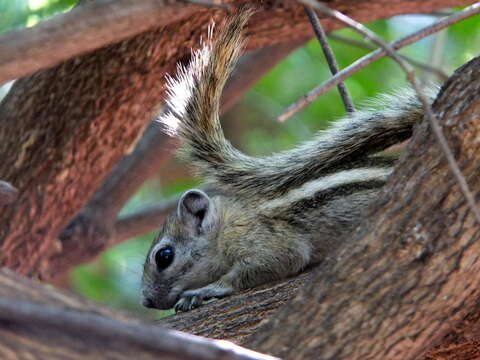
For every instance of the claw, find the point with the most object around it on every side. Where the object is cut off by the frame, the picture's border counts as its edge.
(181, 305)
(192, 299)
(188, 302)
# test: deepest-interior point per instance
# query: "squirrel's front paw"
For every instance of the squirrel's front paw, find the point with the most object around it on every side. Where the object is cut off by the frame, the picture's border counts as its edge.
(192, 299)
(188, 303)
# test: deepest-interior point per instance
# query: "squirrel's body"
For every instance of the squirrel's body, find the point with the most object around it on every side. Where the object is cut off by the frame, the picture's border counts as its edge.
(266, 218)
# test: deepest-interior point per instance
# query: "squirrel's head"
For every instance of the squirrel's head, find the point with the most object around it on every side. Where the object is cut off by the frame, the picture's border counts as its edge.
(181, 256)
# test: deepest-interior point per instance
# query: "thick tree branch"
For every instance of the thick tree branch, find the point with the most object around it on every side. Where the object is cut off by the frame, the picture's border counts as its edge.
(237, 317)
(102, 22)
(398, 289)
(83, 29)
(60, 326)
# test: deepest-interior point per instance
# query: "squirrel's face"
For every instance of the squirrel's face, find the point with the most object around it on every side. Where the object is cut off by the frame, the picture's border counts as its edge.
(179, 258)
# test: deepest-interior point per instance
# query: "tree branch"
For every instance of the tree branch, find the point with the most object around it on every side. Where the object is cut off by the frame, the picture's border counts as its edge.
(145, 220)
(59, 326)
(330, 57)
(102, 22)
(85, 28)
(412, 270)
(439, 73)
(237, 317)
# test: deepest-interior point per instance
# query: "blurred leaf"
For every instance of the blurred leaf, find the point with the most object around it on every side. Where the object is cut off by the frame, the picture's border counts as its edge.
(20, 13)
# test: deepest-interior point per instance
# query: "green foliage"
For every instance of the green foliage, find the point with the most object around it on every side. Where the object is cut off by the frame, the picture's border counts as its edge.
(20, 13)
(114, 277)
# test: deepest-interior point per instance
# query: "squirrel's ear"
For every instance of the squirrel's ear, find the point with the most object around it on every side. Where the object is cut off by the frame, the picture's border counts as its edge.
(197, 212)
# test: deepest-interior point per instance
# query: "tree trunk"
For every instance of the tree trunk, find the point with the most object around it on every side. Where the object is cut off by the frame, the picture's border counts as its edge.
(64, 129)
(412, 268)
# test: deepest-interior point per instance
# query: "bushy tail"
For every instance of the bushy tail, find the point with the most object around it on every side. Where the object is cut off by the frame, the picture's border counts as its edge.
(194, 101)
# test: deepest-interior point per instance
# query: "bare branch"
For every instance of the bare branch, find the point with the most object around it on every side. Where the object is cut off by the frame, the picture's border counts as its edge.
(85, 28)
(368, 59)
(8, 193)
(442, 76)
(437, 51)
(329, 56)
(142, 221)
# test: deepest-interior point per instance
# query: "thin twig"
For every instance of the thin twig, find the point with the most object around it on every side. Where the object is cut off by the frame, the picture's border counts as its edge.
(329, 56)
(142, 221)
(442, 76)
(442, 141)
(437, 50)
(368, 59)
(437, 130)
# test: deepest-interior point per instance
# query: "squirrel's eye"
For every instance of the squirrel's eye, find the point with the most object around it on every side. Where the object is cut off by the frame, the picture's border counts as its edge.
(164, 257)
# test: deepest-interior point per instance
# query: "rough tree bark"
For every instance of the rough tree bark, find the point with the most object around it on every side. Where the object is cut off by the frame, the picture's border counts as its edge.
(413, 265)
(63, 129)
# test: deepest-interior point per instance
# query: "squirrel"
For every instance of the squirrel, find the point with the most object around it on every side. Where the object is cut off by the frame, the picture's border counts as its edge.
(268, 218)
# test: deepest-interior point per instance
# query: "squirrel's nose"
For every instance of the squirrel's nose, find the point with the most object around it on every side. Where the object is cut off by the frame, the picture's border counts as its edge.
(147, 302)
